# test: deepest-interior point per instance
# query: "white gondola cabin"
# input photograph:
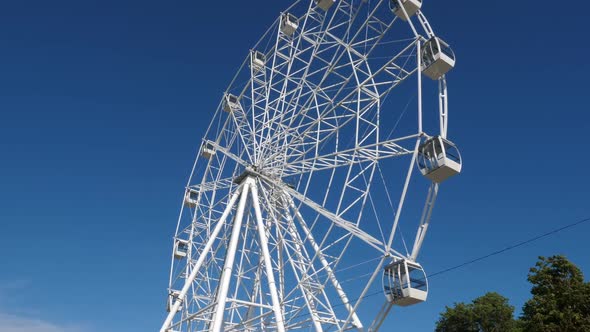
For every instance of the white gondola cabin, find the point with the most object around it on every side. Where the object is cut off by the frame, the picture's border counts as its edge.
(180, 248)
(257, 60)
(190, 199)
(437, 58)
(324, 4)
(411, 7)
(230, 103)
(405, 283)
(439, 159)
(289, 24)
(172, 297)
(207, 150)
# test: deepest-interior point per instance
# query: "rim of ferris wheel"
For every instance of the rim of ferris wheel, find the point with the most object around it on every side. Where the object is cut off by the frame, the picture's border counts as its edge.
(289, 24)
(207, 150)
(405, 283)
(230, 102)
(173, 295)
(437, 58)
(180, 248)
(411, 7)
(439, 159)
(257, 60)
(324, 4)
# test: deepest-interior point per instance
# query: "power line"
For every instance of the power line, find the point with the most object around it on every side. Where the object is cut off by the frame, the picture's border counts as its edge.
(511, 247)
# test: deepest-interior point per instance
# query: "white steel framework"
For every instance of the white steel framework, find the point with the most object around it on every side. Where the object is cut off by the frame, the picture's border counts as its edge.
(290, 174)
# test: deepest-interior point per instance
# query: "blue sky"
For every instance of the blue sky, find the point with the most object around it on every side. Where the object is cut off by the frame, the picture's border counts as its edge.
(103, 104)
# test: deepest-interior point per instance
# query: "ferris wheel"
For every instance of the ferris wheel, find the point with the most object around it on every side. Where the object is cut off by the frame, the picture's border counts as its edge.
(292, 215)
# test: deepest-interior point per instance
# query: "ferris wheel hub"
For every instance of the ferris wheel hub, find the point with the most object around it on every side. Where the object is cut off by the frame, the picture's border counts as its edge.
(248, 173)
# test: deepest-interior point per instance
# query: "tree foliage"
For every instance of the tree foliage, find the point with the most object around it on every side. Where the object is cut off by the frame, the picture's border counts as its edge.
(488, 313)
(456, 319)
(561, 298)
(560, 303)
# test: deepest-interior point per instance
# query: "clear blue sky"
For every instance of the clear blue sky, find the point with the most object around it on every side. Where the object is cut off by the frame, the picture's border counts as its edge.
(103, 104)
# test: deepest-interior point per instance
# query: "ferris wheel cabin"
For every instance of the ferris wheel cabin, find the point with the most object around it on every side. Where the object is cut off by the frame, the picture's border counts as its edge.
(230, 103)
(180, 248)
(289, 24)
(411, 7)
(189, 199)
(439, 159)
(257, 60)
(437, 58)
(172, 297)
(207, 150)
(324, 4)
(405, 283)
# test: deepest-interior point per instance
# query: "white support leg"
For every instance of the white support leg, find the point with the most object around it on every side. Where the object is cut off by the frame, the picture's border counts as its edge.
(355, 319)
(229, 262)
(200, 261)
(250, 313)
(276, 305)
(298, 261)
(295, 263)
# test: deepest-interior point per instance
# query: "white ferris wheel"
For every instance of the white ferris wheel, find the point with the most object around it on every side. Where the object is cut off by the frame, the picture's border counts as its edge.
(292, 215)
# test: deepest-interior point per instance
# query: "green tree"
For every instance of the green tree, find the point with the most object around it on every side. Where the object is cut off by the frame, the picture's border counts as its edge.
(561, 298)
(493, 313)
(459, 318)
(488, 313)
